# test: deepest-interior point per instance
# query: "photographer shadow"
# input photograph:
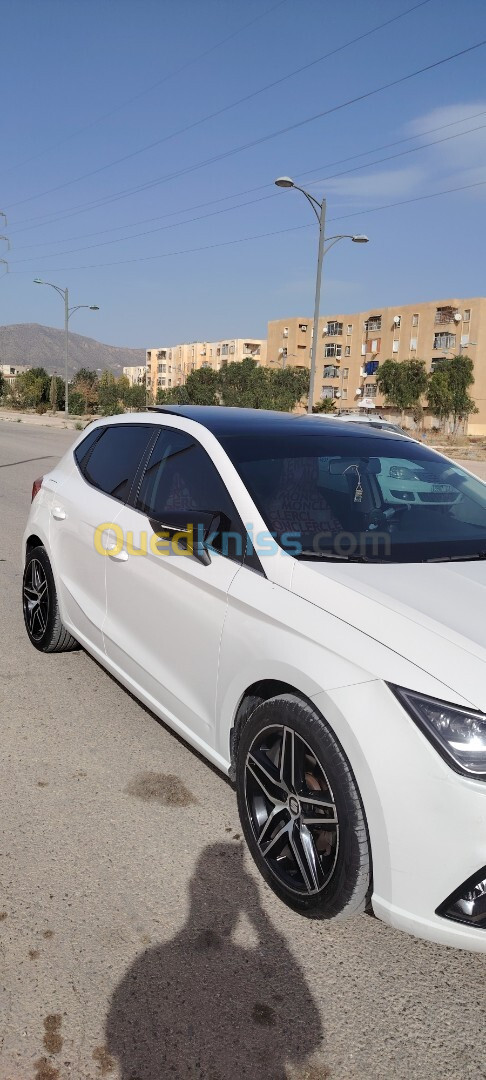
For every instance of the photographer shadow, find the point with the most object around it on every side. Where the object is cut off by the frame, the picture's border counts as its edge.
(223, 999)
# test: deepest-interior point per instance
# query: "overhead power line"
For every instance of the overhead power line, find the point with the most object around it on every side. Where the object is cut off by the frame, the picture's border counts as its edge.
(146, 90)
(219, 112)
(250, 202)
(259, 236)
(125, 193)
(246, 191)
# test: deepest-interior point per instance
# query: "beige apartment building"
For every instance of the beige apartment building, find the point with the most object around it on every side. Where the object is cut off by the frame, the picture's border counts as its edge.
(135, 374)
(169, 366)
(351, 347)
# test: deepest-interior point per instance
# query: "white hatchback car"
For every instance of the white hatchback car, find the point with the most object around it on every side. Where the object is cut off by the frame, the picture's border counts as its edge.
(246, 575)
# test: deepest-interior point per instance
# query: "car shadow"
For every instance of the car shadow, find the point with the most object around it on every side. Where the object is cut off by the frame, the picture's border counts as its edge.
(223, 999)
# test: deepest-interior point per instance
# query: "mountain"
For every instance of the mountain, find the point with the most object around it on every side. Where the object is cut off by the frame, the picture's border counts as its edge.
(43, 346)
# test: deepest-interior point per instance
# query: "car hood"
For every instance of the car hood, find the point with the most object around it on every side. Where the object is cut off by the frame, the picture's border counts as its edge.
(430, 614)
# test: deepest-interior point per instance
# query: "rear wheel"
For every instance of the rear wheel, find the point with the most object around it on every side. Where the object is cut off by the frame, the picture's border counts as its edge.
(301, 811)
(41, 609)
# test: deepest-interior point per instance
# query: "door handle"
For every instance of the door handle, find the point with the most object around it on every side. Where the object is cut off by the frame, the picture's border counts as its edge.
(58, 513)
(120, 556)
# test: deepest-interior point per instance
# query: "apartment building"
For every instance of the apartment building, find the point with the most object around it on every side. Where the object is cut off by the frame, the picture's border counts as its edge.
(169, 366)
(135, 374)
(351, 347)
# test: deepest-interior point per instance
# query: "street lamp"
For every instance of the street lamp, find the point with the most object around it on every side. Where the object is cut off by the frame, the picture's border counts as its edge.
(68, 311)
(319, 209)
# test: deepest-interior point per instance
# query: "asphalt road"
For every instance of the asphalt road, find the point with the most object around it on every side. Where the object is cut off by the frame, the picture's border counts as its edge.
(136, 940)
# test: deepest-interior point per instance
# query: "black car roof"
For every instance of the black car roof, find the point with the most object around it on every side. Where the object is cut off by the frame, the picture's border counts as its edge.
(223, 421)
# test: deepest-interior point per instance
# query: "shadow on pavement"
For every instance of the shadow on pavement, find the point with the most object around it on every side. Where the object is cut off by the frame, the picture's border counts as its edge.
(223, 999)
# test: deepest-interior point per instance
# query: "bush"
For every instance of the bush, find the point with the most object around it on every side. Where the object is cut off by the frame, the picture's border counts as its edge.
(41, 408)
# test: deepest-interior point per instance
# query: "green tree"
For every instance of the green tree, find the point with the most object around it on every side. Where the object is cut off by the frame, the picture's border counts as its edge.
(402, 383)
(327, 405)
(85, 383)
(32, 388)
(448, 391)
(135, 396)
(2, 385)
(286, 387)
(245, 385)
(76, 403)
(109, 392)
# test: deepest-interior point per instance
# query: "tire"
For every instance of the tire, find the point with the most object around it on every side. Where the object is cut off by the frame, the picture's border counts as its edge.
(314, 854)
(40, 606)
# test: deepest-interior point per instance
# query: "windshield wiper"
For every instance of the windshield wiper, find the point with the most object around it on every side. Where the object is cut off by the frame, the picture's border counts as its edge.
(337, 558)
(476, 556)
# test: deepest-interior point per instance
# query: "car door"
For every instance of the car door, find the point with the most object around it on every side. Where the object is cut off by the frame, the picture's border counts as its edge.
(166, 611)
(104, 465)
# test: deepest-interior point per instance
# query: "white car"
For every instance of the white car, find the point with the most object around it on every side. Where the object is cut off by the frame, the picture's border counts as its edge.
(244, 574)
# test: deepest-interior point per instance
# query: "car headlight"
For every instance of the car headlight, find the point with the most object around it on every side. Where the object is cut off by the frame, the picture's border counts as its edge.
(458, 734)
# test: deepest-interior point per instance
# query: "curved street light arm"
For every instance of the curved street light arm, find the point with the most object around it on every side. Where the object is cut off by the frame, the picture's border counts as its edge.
(316, 206)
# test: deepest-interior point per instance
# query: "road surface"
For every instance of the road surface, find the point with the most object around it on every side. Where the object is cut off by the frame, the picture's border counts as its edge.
(136, 940)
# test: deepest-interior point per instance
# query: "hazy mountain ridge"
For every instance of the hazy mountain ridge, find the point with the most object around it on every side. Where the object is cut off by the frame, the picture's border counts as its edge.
(43, 346)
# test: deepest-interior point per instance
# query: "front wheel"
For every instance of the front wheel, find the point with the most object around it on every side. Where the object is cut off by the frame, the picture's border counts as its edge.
(301, 811)
(41, 609)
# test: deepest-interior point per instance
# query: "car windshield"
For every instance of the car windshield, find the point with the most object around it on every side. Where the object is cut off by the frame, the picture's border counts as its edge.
(361, 497)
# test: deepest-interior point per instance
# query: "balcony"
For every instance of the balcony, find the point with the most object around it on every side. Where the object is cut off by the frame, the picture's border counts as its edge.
(372, 324)
(333, 329)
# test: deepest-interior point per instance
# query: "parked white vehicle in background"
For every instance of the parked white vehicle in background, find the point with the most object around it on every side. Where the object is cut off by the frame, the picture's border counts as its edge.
(252, 578)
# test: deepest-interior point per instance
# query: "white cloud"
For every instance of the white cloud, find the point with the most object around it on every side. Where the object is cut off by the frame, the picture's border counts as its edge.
(386, 183)
(467, 151)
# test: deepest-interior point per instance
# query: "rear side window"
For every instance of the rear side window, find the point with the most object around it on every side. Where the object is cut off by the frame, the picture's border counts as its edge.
(82, 450)
(115, 457)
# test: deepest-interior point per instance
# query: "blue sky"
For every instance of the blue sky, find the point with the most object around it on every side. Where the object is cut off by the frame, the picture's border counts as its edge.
(86, 83)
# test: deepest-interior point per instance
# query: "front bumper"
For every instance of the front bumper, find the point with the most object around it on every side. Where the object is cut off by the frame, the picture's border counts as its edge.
(427, 824)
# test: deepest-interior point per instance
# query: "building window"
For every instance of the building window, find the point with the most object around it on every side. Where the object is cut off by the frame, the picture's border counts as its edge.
(349, 328)
(347, 350)
(231, 348)
(344, 393)
(363, 349)
(330, 371)
(464, 340)
(328, 392)
(371, 390)
(415, 319)
(162, 354)
(373, 323)
(371, 367)
(397, 321)
(445, 314)
(437, 362)
(224, 350)
(303, 327)
(333, 329)
(161, 367)
(333, 350)
(413, 344)
(375, 344)
(467, 315)
(285, 331)
(444, 341)
(345, 373)
(395, 346)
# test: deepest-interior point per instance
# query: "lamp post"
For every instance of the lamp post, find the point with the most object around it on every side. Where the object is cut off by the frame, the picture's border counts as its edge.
(319, 209)
(68, 311)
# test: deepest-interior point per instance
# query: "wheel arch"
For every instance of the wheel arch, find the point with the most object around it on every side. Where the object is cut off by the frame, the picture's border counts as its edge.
(259, 691)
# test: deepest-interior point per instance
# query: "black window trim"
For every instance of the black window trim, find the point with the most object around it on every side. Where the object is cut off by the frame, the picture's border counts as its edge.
(85, 460)
(250, 561)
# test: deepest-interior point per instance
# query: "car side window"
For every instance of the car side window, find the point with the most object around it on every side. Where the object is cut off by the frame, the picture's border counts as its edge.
(182, 486)
(115, 457)
(83, 449)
